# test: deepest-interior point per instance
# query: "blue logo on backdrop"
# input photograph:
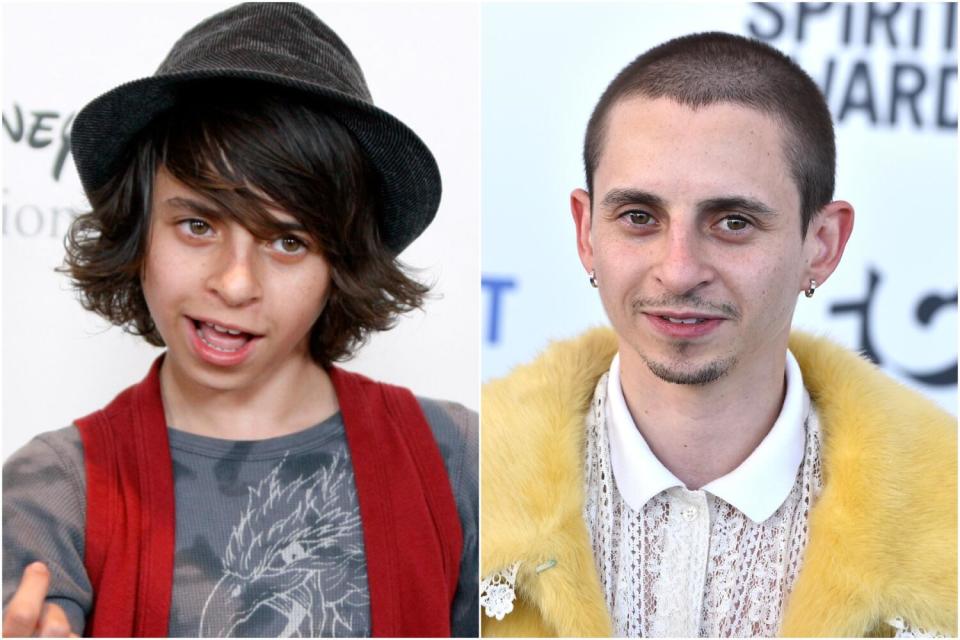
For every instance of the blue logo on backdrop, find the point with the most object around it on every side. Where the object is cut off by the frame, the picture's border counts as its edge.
(928, 306)
(497, 286)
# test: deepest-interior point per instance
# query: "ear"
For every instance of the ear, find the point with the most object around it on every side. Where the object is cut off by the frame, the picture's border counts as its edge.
(580, 208)
(826, 238)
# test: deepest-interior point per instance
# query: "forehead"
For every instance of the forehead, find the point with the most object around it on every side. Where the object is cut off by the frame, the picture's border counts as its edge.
(672, 149)
(169, 193)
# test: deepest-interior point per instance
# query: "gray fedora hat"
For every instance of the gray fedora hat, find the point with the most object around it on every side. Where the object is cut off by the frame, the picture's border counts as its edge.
(283, 44)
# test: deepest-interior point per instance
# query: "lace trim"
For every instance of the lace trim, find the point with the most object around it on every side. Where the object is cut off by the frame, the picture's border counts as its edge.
(497, 592)
(903, 629)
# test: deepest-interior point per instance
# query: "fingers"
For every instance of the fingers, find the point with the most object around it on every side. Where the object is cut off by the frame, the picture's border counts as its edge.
(28, 614)
(53, 622)
(23, 611)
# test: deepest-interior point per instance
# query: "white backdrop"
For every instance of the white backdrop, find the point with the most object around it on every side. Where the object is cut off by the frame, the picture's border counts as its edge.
(421, 62)
(889, 74)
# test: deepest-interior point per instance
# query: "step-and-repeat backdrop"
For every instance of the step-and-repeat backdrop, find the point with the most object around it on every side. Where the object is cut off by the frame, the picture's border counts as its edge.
(889, 72)
(60, 362)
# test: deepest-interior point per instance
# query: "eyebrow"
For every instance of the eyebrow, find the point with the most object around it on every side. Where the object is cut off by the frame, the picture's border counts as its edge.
(195, 206)
(200, 208)
(289, 226)
(619, 197)
(735, 203)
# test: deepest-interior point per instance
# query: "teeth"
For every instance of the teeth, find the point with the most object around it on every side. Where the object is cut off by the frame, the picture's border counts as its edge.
(213, 346)
(210, 325)
(232, 332)
(683, 320)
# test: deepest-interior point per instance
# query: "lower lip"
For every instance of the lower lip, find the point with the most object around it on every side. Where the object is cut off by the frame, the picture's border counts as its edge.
(678, 330)
(216, 357)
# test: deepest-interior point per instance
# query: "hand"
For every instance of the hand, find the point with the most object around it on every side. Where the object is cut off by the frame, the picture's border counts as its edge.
(28, 614)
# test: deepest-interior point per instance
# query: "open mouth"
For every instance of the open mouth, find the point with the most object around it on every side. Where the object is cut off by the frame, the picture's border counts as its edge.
(220, 338)
(684, 325)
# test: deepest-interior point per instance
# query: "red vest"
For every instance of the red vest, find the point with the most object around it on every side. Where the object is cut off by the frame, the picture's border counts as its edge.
(411, 529)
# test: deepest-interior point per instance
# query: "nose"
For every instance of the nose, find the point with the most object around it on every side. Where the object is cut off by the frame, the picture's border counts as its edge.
(235, 274)
(683, 266)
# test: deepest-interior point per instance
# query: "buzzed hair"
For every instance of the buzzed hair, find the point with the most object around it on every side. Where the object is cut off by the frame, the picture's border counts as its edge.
(703, 69)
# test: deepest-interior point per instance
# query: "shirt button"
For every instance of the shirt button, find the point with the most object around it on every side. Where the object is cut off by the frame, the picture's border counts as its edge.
(689, 513)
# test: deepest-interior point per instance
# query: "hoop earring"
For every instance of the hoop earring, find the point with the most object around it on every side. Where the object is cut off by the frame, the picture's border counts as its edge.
(811, 290)
(593, 280)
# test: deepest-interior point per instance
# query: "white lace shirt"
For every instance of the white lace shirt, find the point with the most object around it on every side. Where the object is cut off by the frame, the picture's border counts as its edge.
(718, 561)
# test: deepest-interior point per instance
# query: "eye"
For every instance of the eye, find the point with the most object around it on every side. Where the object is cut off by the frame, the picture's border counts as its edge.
(293, 552)
(734, 224)
(289, 245)
(638, 218)
(196, 227)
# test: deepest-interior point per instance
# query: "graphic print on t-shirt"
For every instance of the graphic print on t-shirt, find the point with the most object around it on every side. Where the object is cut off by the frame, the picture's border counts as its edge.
(293, 556)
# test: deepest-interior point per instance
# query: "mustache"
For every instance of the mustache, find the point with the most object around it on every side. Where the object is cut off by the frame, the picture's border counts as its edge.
(689, 301)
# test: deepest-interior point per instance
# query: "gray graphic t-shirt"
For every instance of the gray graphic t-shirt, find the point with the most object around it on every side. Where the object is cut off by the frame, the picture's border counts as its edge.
(269, 540)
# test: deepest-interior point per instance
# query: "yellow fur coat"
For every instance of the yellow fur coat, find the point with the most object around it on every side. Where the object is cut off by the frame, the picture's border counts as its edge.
(883, 534)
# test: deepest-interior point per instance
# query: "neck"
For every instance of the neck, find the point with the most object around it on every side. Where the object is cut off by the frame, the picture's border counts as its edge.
(703, 432)
(285, 400)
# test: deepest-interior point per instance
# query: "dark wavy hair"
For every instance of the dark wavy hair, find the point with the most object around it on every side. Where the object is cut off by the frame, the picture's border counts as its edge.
(247, 147)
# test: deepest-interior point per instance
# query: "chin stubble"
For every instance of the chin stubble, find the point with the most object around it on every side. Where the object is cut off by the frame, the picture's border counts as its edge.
(675, 375)
(704, 375)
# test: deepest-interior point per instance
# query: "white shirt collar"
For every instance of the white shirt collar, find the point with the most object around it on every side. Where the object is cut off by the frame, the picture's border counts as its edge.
(757, 487)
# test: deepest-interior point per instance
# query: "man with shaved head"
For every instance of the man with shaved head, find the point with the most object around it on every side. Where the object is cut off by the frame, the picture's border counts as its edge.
(697, 469)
